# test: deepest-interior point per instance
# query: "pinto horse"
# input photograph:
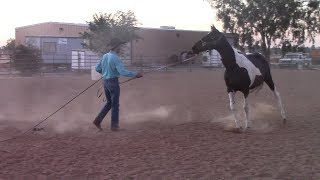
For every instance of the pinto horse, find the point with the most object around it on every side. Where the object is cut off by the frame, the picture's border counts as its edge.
(244, 73)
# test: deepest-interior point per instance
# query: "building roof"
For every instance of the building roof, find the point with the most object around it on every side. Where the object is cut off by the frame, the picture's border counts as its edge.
(165, 28)
(170, 29)
(161, 28)
(72, 24)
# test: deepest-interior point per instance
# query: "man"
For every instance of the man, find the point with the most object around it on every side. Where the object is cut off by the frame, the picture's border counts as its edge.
(111, 67)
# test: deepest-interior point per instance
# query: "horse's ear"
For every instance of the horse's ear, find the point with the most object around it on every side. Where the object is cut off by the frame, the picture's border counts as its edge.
(213, 28)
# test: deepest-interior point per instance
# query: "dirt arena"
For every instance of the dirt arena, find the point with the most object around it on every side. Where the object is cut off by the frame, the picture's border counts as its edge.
(174, 128)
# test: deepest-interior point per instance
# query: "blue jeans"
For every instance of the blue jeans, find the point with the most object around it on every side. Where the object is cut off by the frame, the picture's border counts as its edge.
(112, 92)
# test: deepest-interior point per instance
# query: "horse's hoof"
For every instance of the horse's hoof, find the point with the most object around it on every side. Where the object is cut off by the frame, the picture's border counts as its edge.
(284, 121)
(235, 130)
(238, 130)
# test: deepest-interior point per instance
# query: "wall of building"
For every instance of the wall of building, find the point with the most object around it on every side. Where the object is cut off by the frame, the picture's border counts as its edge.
(51, 29)
(315, 56)
(58, 50)
(158, 45)
(55, 40)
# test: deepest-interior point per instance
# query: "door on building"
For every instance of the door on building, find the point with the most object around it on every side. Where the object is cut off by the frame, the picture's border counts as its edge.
(77, 61)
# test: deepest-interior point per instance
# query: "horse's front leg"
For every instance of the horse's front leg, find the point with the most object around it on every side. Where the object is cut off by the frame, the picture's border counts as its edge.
(233, 109)
(246, 110)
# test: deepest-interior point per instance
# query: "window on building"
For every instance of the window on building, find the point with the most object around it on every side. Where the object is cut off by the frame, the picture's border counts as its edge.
(33, 41)
(49, 47)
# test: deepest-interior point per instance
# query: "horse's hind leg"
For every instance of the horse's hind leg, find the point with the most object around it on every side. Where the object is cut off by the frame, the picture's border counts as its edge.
(277, 95)
(271, 85)
(246, 110)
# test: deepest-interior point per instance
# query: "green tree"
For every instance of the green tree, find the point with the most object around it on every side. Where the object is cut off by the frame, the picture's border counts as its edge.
(27, 60)
(105, 26)
(10, 46)
(270, 21)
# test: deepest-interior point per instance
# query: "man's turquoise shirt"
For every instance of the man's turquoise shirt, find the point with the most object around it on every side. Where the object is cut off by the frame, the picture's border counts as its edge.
(111, 66)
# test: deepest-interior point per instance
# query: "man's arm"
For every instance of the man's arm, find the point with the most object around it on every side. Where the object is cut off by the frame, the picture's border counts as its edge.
(98, 67)
(120, 68)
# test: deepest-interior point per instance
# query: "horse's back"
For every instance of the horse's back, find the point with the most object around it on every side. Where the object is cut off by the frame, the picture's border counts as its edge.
(256, 58)
(260, 62)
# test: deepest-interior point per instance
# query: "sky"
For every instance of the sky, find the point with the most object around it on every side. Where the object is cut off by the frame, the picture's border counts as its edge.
(189, 15)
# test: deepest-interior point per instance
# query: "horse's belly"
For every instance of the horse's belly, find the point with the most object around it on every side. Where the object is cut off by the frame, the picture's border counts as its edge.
(258, 80)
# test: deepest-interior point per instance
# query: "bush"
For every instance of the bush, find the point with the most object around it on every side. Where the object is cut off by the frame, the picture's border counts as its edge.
(27, 60)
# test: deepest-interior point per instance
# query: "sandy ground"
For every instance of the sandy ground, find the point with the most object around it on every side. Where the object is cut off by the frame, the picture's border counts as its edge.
(173, 124)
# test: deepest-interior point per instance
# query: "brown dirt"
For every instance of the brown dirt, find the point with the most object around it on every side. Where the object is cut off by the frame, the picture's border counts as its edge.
(174, 129)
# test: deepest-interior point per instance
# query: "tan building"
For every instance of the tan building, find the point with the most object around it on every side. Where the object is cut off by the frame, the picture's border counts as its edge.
(55, 40)
(48, 29)
(160, 45)
(59, 42)
(315, 56)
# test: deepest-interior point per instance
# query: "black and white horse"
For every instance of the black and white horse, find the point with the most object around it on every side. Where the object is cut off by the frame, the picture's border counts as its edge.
(243, 73)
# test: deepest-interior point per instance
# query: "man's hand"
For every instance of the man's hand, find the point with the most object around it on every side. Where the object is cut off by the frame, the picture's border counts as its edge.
(139, 75)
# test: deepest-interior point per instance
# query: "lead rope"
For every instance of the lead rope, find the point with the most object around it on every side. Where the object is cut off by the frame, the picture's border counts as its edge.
(100, 89)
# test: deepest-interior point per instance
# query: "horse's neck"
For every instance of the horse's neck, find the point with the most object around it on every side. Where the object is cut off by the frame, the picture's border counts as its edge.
(227, 55)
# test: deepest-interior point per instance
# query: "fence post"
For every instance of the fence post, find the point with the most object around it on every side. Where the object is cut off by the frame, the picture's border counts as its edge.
(10, 64)
(190, 66)
(40, 66)
(52, 65)
(141, 62)
(166, 68)
(79, 60)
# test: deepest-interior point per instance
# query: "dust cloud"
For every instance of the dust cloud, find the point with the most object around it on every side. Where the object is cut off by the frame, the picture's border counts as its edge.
(158, 113)
(29, 101)
(257, 114)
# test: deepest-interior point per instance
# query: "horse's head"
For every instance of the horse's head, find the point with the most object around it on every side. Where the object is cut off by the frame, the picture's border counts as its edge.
(208, 42)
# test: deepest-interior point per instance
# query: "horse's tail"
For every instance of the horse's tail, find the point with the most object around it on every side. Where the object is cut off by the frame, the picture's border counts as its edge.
(267, 76)
(259, 55)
